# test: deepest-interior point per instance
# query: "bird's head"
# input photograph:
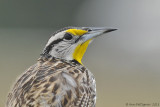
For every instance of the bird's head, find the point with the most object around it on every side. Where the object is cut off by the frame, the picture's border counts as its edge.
(71, 43)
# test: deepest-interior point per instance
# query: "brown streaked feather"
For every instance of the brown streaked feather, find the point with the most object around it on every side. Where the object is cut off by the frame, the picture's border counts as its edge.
(54, 83)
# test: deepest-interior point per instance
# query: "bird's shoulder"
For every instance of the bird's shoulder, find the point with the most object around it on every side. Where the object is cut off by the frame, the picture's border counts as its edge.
(55, 82)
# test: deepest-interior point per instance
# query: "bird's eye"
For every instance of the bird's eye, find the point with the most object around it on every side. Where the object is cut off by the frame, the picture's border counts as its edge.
(68, 36)
(89, 30)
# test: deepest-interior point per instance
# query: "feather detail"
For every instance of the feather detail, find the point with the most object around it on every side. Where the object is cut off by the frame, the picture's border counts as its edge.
(54, 83)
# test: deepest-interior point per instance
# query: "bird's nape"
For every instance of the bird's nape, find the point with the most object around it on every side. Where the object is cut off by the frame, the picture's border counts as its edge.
(71, 44)
(58, 78)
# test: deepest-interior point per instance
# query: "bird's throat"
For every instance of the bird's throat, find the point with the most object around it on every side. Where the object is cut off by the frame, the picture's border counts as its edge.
(80, 50)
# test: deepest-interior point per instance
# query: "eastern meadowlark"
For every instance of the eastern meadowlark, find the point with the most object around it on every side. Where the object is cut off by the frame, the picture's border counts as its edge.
(59, 79)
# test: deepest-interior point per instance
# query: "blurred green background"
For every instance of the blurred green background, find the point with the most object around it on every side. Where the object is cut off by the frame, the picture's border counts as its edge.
(126, 63)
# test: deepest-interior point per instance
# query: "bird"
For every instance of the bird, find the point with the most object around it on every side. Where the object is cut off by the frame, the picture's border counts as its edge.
(59, 78)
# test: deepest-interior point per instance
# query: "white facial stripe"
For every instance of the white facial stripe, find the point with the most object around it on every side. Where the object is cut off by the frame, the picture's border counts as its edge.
(55, 37)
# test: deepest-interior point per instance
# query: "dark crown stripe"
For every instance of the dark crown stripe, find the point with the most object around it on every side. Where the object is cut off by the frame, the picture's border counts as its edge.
(49, 47)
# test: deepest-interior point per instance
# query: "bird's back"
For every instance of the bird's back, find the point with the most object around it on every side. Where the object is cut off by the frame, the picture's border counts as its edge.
(54, 83)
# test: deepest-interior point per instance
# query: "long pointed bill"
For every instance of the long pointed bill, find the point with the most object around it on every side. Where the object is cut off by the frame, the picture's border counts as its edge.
(94, 32)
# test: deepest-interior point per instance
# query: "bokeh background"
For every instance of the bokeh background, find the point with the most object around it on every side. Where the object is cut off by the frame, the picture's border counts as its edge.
(126, 63)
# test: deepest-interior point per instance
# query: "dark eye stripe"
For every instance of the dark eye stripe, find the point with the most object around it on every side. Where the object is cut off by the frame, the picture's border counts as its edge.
(56, 41)
(49, 47)
(78, 39)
